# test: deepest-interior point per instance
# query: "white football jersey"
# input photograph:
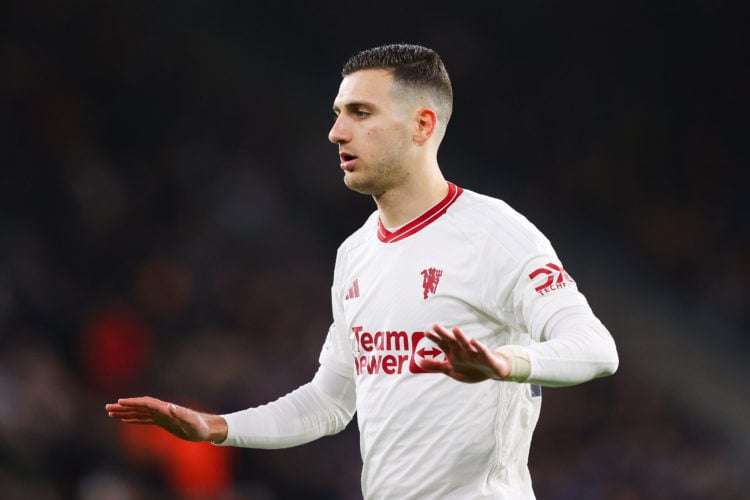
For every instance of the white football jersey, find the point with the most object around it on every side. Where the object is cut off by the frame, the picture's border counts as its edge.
(473, 262)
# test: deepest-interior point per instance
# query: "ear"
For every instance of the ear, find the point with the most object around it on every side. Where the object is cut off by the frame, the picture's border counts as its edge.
(426, 122)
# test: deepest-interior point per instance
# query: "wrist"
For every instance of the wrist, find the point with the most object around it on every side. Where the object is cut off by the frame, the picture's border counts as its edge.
(520, 366)
(217, 428)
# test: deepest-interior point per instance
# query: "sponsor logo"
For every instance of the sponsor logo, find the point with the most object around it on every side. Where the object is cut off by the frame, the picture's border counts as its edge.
(555, 279)
(430, 280)
(353, 291)
(422, 347)
(391, 352)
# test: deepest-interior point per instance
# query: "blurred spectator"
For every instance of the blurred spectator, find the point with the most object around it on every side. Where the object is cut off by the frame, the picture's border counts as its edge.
(115, 347)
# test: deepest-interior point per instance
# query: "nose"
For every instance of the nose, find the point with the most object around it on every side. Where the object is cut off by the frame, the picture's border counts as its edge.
(338, 133)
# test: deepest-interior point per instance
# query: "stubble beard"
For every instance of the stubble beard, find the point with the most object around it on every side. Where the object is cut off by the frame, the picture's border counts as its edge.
(378, 177)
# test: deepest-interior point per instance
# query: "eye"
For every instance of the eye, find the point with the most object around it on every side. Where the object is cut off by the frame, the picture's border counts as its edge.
(361, 113)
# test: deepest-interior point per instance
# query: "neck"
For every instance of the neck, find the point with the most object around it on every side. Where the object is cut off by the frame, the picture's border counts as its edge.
(408, 201)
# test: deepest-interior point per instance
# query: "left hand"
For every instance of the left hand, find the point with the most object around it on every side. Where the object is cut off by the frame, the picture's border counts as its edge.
(466, 359)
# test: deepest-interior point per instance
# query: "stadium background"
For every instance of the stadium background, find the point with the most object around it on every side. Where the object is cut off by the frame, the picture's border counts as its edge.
(170, 210)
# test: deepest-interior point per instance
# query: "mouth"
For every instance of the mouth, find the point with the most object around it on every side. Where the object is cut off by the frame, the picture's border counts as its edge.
(347, 160)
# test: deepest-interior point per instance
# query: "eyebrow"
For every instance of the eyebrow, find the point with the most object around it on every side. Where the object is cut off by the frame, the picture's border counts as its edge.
(353, 105)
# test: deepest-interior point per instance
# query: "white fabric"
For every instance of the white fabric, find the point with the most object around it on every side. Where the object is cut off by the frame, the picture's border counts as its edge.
(424, 435)
(576, 347)
(321, 407)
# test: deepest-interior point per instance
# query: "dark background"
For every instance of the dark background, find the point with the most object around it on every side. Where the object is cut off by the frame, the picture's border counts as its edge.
(170, 210)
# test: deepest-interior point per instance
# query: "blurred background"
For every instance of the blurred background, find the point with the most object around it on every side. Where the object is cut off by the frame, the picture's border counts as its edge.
(170, 210)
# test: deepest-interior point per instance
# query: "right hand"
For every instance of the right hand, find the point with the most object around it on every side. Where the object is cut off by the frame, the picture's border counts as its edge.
(180, 421)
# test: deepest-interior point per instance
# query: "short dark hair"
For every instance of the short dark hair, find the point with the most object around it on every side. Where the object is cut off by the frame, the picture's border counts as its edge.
(411, 65)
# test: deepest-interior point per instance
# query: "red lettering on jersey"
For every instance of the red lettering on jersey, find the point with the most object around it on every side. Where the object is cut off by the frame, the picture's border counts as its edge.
(390, 364)
(389, 352)
(557, 278)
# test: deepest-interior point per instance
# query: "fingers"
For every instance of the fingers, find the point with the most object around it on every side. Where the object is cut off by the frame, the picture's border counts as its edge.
(138, 410)
(137, 421)
(124, 413)
(434, 365)
(439, 335)
(442, 331)
(177, 420)
(444, 338)
(144, 402)
(463, 341)
(450, 340)
(480, 347)
(466, 358)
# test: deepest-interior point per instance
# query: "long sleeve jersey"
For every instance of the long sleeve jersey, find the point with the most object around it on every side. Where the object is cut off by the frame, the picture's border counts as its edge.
(470, 261)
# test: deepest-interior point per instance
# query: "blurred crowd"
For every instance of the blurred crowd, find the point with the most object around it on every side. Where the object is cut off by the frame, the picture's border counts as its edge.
(170, 212)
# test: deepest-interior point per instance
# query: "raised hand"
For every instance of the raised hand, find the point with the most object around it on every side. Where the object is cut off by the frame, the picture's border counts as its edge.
(466, 359)
(182, 422)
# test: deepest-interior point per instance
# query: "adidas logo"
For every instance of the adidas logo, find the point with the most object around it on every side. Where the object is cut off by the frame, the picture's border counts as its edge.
(353, 292)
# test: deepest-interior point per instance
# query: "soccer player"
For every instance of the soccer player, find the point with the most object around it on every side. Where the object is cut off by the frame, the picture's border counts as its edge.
(450, 310)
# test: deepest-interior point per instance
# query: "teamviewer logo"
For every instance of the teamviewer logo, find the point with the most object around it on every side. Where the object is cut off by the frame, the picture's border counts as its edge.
(421, 348)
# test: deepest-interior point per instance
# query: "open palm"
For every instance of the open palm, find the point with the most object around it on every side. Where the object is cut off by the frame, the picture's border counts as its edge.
(466, 359)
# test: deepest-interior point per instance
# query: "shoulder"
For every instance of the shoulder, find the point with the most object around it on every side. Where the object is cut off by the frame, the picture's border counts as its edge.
(494, 220)
(360, 236)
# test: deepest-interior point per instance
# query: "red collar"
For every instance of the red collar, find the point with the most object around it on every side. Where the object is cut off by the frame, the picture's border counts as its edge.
(423, 220)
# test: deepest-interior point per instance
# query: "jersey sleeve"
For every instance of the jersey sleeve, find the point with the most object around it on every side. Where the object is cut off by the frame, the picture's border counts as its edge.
(336, 353)
(570, 345)
(321, 407)
(577, 348)
(542, 288)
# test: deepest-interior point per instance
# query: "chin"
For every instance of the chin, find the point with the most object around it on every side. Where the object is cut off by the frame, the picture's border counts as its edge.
(357, 185)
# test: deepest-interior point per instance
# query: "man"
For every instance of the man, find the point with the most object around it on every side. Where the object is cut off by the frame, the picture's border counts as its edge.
(439, 280)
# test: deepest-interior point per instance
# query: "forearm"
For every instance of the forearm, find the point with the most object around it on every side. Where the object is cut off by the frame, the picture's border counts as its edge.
(322, 407)
(577, 348)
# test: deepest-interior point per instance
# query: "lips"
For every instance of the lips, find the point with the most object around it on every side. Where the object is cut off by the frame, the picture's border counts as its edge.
(347, 160)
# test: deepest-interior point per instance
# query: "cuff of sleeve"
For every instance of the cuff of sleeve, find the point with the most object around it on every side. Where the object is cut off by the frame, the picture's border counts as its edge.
(520, 366)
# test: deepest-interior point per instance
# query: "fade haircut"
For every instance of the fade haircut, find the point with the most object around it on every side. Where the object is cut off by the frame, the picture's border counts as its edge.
(414, 68)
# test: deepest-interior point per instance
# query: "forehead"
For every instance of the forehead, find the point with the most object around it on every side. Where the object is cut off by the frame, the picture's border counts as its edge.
(367, 86)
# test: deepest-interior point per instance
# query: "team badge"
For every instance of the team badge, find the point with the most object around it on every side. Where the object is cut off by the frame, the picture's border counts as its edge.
(430, 280)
